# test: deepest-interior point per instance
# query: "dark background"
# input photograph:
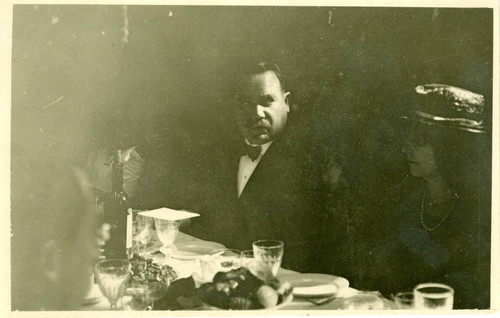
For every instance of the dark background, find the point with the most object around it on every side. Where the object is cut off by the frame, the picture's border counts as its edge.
(173, 67)
(86, 78)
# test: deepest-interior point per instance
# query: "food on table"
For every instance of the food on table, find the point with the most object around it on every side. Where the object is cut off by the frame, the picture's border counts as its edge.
(145, 271)
(267, 296)
(240, 303)
(239, 289)
(181, 295)
(149, 281)
(236, 289)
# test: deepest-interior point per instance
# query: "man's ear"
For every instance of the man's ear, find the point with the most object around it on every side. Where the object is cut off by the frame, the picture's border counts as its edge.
(50, 259)
(287, 98)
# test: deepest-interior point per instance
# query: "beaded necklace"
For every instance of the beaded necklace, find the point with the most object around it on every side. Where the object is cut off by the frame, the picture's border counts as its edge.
(422, 211)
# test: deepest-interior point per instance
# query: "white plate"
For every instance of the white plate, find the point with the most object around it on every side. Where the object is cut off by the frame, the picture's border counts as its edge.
(194, 249)
(316, 285)
(93, 296)
(169, 214)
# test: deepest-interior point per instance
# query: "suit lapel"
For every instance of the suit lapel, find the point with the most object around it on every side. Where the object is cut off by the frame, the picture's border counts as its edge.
(268, 160)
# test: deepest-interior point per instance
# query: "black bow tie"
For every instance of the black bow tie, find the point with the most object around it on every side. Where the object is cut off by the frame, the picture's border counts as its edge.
(252, 151)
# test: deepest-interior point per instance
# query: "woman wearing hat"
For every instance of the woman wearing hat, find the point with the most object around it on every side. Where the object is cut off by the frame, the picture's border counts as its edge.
(441, 233)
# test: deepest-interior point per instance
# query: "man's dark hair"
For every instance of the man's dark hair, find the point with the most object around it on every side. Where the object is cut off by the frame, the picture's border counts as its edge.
(258, 68)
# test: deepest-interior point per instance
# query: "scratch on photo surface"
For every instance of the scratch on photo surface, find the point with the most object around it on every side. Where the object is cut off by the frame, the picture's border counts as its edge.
(125, 27)
(53, 103)
(438, 58)
(435, 14)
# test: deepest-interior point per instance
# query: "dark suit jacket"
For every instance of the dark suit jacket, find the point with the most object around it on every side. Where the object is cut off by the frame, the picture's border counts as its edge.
(282, 200)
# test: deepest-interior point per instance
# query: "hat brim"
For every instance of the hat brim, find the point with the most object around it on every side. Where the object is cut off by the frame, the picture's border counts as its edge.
(463, 124)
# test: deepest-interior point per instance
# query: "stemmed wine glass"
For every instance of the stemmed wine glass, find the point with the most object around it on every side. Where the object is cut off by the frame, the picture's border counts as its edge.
(145, 294)
(112, 275)
(404, 300)
(167, 232)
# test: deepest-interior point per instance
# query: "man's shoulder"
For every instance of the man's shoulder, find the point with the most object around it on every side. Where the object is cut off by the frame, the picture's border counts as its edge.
(298, 139)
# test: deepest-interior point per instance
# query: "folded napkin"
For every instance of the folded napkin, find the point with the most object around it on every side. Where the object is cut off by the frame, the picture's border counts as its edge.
(169, 214)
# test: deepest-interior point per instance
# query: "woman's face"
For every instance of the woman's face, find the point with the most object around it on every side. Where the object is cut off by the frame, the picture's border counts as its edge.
(420, 155)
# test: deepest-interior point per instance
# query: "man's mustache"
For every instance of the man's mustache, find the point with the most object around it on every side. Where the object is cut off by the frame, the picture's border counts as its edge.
(259, 124)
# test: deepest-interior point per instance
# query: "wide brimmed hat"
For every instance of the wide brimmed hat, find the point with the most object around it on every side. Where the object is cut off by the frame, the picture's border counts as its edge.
(447, 106)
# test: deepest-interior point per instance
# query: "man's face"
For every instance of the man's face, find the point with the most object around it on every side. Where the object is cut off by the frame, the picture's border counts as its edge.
(263, 108)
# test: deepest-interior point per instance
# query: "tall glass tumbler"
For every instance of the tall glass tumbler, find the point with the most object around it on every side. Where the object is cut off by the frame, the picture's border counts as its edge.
(142, 232)
(268, 254)
(433, 296)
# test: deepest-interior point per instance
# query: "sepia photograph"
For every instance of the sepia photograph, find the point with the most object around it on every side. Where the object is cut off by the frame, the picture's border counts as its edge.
(252, 159)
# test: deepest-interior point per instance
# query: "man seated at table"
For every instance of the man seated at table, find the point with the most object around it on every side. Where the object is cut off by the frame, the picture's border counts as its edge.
(264, 182)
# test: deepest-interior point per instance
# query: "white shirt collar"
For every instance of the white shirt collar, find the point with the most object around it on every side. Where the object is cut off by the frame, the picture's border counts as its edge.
(264, 146)
(247, 166)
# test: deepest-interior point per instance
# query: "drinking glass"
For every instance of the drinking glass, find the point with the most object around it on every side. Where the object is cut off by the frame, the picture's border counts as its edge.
(247, 257)
(225, 260)
(167, 232)
(433, 296)
(404, 300)
(112, 275)
(145, 294)
(142, 233)
(250, 263)
(269, 254)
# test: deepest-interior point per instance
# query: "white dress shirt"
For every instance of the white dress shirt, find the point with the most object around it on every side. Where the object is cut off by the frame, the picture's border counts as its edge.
(247, 166)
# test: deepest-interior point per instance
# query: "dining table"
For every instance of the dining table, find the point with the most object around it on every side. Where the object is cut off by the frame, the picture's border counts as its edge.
(186, 267)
